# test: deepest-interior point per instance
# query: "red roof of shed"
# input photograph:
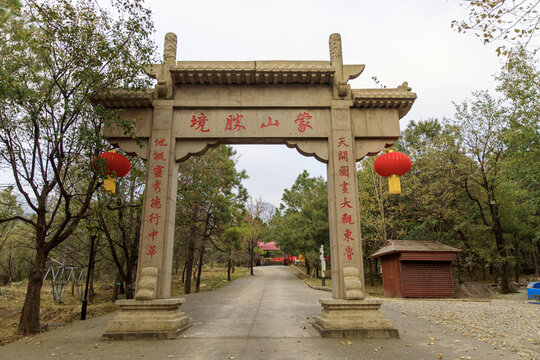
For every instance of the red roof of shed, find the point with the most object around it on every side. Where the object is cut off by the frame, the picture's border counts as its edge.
(396, 246)
(268, 246)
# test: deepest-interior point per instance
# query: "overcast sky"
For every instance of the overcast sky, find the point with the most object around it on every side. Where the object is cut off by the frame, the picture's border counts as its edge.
(397, 41)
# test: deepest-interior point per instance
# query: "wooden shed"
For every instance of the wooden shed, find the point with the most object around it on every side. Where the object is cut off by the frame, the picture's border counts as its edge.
(416, 268)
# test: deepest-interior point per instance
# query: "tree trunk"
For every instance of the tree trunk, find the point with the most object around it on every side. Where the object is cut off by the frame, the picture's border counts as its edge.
(380, 200)
(308, 268)
(229, 269)
(176, 264)
(92, 269)
(130, 286)
(195, 267)
(116, 287)
(184, 272)
(199, 269)
(251, 246)
(11, 278)
(73, 285)
(29, 320)
(371, 280)
(535, 259)
(501, 246)
(189, 261)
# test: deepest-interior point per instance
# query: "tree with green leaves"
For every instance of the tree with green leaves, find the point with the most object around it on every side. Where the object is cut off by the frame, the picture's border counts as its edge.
(56, 57)
(519, 82)
(231, 242)
(210, 195)
(478, 126)
(300, 225)
(433, 206)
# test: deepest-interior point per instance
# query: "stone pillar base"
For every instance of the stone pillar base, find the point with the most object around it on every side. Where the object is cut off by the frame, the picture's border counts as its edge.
(147, 319)
(353, 319)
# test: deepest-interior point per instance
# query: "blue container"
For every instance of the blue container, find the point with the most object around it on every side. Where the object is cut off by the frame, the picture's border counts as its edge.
(533, 291)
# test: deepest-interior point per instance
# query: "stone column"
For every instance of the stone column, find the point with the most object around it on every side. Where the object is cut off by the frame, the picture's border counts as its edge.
(346, 243)
(153, 314)
(347, 314)
(157, 228)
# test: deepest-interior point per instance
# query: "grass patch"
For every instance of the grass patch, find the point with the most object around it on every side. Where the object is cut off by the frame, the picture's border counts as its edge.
(318, 282)
(212, 278)
(52, 314)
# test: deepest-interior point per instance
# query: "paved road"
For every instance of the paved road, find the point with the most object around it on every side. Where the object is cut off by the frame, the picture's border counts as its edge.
(262, 317)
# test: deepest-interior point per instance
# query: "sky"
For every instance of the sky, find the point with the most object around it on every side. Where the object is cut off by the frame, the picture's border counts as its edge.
(397, 41)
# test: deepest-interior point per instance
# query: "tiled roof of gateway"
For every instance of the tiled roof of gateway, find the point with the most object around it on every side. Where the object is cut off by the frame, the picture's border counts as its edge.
(393, 246)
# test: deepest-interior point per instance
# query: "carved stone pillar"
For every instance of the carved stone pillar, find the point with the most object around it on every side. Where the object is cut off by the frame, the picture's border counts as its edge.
(153, 313)
(347, 314)
(346, 243)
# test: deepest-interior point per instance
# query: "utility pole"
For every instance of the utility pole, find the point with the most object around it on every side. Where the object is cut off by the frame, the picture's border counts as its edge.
(85, 300)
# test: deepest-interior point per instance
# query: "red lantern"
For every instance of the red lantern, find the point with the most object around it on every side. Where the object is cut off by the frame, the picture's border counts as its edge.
(392, 165)
(117, 165)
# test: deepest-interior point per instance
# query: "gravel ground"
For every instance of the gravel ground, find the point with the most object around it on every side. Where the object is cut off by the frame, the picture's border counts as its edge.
(509, 324)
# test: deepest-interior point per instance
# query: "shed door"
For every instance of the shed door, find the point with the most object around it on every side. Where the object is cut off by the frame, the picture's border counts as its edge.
(390, 274)
(427, 279)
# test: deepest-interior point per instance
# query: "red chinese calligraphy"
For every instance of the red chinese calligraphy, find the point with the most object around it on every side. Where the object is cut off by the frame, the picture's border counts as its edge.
(151, 251)
(160, 142)
(153, 234)
(159, 156)
(343, 155)
(346, 203)
(302, 121)
(346, 219)
(233, 123)
(345, 187)
(347, 235)
(157, 186)
(344, 171)
(270, 123)
(157, 171)
(349, 252)
(153, 217)
(341, 142)
(199, 122)
(155, 203)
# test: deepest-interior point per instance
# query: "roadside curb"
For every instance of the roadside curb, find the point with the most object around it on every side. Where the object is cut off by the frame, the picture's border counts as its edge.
(301, 276)
(317, 287)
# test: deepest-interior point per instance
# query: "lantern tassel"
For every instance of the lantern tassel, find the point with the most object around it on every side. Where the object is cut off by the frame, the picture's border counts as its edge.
(394, 185)
(109, 184)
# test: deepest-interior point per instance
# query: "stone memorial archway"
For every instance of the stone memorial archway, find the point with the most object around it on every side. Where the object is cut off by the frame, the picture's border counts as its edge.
(308, 105)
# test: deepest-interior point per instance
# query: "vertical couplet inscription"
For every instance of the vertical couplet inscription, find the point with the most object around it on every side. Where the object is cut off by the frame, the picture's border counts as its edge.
(346, 208)
(159, 157)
